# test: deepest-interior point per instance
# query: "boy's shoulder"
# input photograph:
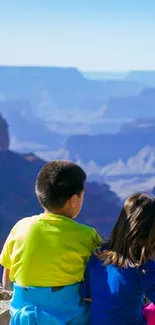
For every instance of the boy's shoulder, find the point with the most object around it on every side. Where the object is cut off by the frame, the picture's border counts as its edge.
(85, 228)
(90, 233)
(24, 224)
(27, 220)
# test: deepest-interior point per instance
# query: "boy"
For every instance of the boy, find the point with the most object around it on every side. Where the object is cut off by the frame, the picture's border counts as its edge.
(45, 255)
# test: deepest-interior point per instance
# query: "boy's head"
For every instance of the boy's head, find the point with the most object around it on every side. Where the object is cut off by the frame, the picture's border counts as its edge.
(60, 187)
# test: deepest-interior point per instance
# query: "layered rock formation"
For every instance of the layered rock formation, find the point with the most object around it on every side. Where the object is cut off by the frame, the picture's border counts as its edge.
(4, 135)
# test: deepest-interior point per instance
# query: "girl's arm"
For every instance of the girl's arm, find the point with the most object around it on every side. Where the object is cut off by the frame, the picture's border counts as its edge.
(5, 278)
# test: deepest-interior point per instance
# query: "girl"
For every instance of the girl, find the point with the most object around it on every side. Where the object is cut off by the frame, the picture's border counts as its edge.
(122, 271)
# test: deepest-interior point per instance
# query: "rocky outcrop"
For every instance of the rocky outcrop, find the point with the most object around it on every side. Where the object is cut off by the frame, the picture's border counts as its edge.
(5, 297)
(4, 135)
(17, 176)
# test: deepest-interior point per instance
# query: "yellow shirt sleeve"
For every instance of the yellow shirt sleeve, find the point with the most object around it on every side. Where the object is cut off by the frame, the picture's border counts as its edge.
(5, 256)
(95, 241)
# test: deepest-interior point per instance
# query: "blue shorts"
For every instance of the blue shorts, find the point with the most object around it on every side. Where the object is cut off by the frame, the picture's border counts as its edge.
(42, 306)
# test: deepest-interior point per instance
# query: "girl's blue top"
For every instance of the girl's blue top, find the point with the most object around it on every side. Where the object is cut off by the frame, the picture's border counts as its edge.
(118, 293)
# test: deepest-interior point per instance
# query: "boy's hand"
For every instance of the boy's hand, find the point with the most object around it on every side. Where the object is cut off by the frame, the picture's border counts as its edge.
(87, 299)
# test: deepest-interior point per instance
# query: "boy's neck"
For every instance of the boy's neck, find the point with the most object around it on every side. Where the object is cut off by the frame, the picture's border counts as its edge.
(60, 212)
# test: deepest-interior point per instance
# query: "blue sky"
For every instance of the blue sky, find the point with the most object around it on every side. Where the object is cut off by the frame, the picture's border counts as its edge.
(91, 35)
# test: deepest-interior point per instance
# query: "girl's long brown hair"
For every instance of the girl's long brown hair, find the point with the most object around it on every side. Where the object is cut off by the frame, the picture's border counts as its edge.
(132, 241)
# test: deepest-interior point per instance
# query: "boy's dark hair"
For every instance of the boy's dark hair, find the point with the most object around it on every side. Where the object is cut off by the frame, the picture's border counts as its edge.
(57, 182)
(132, 241)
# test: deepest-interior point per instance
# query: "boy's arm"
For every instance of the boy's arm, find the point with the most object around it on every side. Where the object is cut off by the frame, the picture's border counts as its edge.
(5, 256)
(5, 278)
(85, 292)
(95, 240)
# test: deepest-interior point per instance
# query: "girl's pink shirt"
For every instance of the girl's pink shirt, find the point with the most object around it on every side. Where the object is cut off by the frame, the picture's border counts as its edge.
(149, 313)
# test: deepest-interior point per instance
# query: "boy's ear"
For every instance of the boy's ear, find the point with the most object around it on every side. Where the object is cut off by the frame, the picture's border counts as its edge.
(73, 201)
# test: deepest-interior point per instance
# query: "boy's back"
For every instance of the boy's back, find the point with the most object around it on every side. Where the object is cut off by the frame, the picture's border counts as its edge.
(46, 255)
(48, 250)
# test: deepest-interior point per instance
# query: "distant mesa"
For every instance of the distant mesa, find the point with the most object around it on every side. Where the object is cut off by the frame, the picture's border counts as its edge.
(76, 91)
(132, 107)
(105, 149)
(146, 77)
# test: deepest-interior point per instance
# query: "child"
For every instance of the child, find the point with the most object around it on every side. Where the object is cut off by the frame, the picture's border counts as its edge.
(45, 255)
(123, 270)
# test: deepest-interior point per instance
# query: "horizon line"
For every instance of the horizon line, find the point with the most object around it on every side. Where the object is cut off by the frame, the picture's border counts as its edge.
(74, 67)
